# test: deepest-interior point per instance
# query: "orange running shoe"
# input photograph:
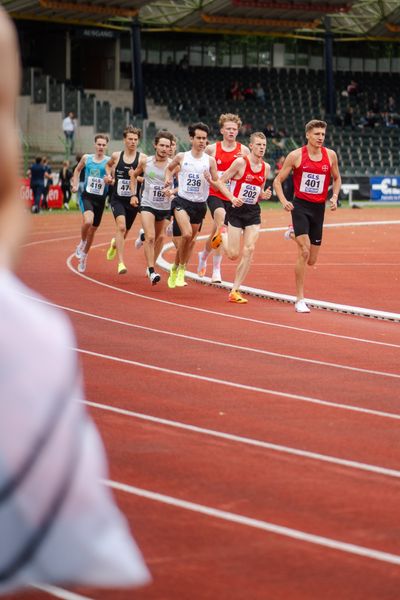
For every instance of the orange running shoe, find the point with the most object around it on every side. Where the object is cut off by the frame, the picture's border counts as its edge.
(236, 297)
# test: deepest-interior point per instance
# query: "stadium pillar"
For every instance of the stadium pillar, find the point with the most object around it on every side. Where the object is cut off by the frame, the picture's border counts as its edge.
(139, 99)
(330, 98)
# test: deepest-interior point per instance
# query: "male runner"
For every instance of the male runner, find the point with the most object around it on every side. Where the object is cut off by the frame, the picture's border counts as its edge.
(248, 174)
(155, 206)
(312, 166)
(189, 207)
(124, 201)
(224, 152)
(93, 196)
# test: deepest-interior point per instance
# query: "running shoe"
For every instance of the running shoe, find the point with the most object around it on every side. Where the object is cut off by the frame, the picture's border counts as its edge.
(301, 307)
(82, 263)
(289, 233)
(79, 248)
(202, 266)
(140, 239)
(122, 269)
(236, 297)
(216, 241)
(154, 278)
(180, 277)
(66, 205)
(172, 277)
(216, 276)
(112, 251)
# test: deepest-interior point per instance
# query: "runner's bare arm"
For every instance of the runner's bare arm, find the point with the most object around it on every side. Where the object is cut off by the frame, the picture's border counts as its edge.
(77, 171)
(337, 180)
(235, 171)
(170, 170)
(290, 162)
(267, 193)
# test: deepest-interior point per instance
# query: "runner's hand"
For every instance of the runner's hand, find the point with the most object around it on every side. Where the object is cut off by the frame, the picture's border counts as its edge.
(266, 194)
(134, 201)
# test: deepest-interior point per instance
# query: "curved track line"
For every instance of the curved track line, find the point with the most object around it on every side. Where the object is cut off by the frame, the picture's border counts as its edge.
(221, 314)
(296, 534)
(240, 386)
(216, 343)
(351, 464)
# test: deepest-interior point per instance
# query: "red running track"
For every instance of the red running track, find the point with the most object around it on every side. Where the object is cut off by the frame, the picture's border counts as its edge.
(228, 423)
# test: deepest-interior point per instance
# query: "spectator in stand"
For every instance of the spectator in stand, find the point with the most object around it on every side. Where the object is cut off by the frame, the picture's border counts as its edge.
(370, 120)
(248, 93)
(280, 139)
(270, 131)
(38, 176)
(353, 89)
(245, 130)
(391, 105)
(65, 182)
(259, 93)
(235, 91)
(391, 122)
(69, 126)
(48, 182)
(348, 119)
(374, 105)
(184, 62)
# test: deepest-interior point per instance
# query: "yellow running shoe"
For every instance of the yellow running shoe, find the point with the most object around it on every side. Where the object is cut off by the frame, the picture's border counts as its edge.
(122, 269)
(112, 251)
(180, 276)
(172, 277)
(236, 297)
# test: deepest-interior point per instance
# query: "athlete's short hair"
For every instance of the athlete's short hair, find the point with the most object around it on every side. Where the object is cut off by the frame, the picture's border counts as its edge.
(132, 129)
(164, 134)
(257, 134)
(225, 117)
(102, 136)
(314, 123)
(202, 126)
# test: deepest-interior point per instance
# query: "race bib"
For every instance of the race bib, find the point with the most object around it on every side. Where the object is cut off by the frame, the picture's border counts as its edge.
(193, 183)
(312, 183)
(157, 193)
(249, 193)
(95, 185)
(124, 188)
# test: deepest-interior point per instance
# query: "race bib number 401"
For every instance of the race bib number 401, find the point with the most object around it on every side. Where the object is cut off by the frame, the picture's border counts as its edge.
(95, 185)
(312, 183)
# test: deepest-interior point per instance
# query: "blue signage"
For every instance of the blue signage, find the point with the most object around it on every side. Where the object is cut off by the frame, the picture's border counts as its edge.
(385, 189)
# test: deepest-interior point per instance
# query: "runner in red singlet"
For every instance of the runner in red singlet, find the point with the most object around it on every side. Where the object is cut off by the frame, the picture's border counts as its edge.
(313, 167)
(224, 152)
(249, 174)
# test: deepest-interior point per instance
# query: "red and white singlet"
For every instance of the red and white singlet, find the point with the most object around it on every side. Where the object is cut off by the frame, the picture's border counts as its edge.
(251, 184)
(224, 159)
(312, 177)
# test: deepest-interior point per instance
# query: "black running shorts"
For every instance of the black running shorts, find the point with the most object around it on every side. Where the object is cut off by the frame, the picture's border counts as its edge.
(244, 216)
(196, 210)
(215, 202)
(123, 208)
(95, 205)
(308, 219)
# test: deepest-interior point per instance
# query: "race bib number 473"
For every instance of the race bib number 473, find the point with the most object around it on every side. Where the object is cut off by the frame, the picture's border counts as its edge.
(312, 183)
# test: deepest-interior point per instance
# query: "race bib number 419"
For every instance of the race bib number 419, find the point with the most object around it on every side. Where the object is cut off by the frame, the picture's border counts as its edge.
(95, 185)
(312, 183)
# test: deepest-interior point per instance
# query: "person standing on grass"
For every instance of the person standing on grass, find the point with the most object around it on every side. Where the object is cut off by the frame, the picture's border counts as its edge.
(93, 196)
(189, 206)
(224, 152)
(155, 206)
(313, 166)
(248, 175)
(124, 201)
(59, 522)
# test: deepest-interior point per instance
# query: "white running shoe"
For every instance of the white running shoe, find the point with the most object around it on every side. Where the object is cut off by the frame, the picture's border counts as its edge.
(140, 239)
(170, 229)
(216, 276)
(301, 307)
(202, 266)
(154, 278)
(289, 233)
(82, 263)
(79, 249)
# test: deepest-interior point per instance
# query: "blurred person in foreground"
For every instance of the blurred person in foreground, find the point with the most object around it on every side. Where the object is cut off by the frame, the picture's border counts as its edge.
(58, 523)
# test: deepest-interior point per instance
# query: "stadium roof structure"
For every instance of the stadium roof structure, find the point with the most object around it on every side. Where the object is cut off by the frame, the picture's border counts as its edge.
(349, 19)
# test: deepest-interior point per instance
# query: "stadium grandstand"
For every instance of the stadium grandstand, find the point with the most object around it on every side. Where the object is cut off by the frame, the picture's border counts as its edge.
(164, 64)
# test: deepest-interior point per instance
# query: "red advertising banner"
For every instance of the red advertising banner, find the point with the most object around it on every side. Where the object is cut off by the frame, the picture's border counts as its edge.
(55, 196)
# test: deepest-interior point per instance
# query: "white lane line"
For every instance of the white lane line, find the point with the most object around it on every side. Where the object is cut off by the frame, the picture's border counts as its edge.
(241, 386)
(273, 528)
(222, 344)
(59, 592)
(226, 315)
(351, 464)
